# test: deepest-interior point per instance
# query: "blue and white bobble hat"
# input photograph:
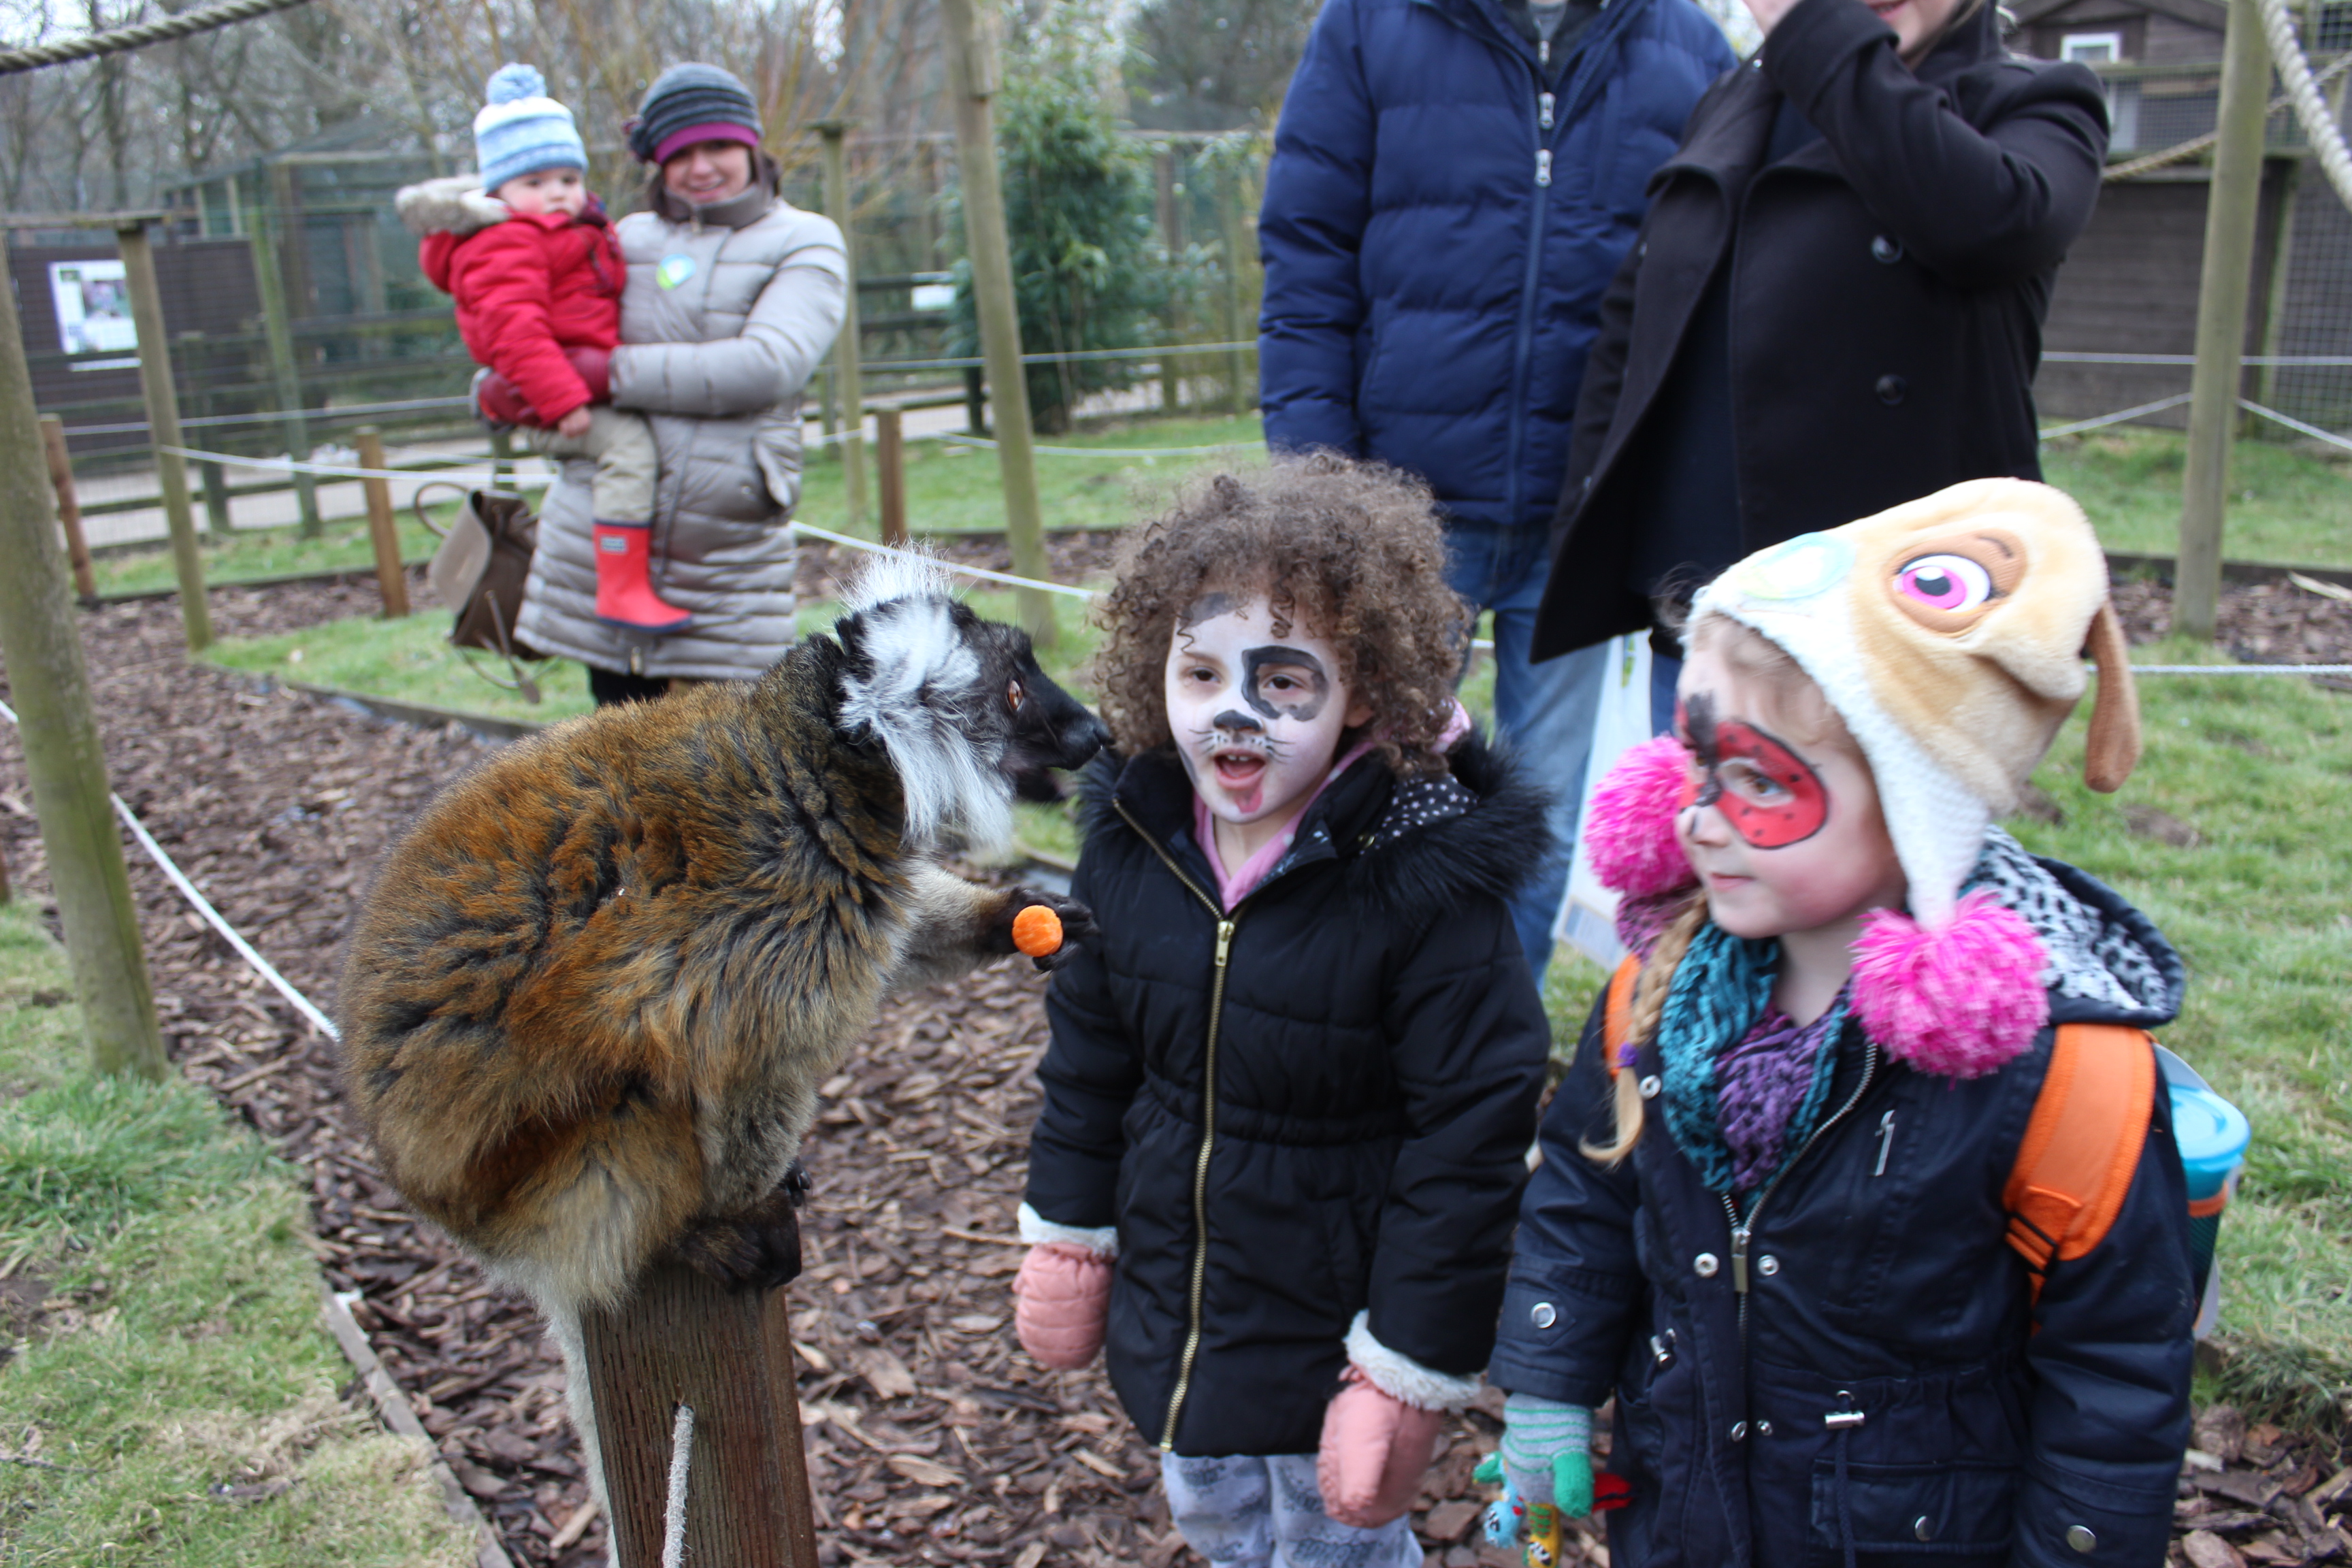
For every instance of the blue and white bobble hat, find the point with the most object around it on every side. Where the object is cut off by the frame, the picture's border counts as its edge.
(521, 131)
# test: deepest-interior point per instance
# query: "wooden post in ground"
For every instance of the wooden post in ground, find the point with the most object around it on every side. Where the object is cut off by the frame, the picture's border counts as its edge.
(502, 458)
(384, 531)
(48, 687)
(61, 480)
(164, 429)
(2231, 202)
(974, 78)
(726, 1356)
(193, 359)
(890, 469)
(838, 207)
(1171, 238)
(277, 329)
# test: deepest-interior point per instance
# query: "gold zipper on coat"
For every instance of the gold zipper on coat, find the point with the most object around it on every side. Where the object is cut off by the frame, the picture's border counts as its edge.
(1226, 923)
(1741, 1229)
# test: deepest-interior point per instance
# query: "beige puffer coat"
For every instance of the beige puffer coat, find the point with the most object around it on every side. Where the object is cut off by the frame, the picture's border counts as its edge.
(727, 311)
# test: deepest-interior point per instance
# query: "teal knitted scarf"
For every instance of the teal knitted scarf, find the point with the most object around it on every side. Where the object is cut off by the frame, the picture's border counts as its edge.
(1720, 990)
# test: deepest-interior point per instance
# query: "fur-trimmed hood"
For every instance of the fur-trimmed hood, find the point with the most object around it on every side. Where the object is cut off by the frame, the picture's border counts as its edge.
(455, 203)
(1417, 845)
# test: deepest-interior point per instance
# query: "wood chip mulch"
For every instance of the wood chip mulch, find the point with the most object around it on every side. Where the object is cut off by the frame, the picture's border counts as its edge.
(931, 1438)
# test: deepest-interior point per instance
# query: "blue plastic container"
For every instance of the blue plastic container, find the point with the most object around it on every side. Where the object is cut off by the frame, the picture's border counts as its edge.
(2212, 1135)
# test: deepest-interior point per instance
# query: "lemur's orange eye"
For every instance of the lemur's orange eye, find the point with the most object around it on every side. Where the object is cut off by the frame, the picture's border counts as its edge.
(1012, 695)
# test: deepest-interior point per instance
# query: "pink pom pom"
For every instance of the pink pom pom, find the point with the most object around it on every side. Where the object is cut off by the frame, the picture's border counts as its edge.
(1958, 1001)
(1629, 825)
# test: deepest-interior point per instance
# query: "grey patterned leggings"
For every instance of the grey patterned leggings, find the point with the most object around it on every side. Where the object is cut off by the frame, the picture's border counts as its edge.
(1268, 1513)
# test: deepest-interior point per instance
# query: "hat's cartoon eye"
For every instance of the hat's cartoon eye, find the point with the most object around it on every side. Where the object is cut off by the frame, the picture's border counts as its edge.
(1945, 582)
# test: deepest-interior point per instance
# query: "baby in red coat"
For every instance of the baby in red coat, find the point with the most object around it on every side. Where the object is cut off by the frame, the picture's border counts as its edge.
(537, 273)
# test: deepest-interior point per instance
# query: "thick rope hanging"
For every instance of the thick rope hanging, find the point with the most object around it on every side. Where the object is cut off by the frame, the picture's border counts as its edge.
(116, 40)
(2326, 136)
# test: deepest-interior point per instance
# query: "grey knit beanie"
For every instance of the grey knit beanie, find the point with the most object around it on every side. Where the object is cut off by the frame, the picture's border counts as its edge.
(691, 104)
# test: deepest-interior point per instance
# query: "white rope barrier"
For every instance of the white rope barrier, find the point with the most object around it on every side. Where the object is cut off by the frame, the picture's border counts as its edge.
(980, 572)
(2159, 406)
(212, 917)
(959, 439)
(457, 471)
(2297, 425)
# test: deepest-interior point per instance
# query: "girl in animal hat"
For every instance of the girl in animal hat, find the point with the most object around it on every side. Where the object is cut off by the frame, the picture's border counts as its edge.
(1777, 1215)
(1291, 1089)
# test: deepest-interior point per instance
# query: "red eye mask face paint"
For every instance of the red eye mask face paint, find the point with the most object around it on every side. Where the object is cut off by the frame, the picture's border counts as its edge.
(1771, 797)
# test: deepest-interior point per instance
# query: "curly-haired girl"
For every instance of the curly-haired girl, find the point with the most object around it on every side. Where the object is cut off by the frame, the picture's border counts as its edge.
(1288, 1096)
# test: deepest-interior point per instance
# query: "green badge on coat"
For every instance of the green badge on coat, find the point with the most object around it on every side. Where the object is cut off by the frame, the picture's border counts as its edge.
(673, 270)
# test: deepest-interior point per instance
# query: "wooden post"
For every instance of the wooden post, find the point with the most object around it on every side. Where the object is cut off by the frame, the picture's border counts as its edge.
(196, 365)
(1171, 239)
(61, 480)
(727, 1355)
(838, 207)
(974, 76)
(48, 687)
(277, 329)
(890, 466)
(502, 458)
(2232, 201)
(975, 402)
(384, 532)
(164, 429)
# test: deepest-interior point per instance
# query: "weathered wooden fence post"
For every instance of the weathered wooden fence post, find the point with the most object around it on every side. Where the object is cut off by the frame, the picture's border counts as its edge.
(2231, 205)
(974, 78)
(890, 466)
(1171, 238)
(48, 687)
(384, 531)
(840, 207)
(164, 429)
(684, 1342)
(61, 480)
(277, 329)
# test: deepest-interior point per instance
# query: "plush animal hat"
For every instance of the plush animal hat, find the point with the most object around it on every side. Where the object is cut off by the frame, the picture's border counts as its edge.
(1950, 636)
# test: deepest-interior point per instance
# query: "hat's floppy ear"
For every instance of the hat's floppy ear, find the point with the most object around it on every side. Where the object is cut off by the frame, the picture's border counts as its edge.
(2113, 750)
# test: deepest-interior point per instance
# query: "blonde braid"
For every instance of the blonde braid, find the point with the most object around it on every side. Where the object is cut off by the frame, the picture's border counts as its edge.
(1650, 988)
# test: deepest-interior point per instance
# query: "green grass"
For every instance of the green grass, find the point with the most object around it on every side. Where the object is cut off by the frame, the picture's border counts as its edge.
(409, 660)
(182, 1354)
(2261, 767)
(953, 490)
(264, 553)
(2284, 505)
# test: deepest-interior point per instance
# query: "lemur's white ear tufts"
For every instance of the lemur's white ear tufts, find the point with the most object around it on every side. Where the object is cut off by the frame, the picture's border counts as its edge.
(906, 575)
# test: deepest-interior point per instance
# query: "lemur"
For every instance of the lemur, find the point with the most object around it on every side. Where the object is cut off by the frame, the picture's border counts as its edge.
(592, 990)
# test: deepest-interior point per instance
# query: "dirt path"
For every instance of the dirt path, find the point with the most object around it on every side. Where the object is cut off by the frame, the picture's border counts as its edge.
(931, 1438)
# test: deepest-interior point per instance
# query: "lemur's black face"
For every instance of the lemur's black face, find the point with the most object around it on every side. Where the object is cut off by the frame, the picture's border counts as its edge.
(1046, 727)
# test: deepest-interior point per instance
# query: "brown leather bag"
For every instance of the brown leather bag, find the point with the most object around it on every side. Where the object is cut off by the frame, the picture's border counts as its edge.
(479, 571)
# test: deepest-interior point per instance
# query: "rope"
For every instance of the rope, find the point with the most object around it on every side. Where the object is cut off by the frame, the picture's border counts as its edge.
(2196, 144)
(979, 572)
(2076, 428)
(962, 440)
(212, 916)
(2327, 137)
(348, 411)
(346, 471)
(118, 39)
(2297, 425)
(681, 1461)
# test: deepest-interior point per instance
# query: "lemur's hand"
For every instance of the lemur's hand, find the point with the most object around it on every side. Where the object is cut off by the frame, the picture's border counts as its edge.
(1078, 927)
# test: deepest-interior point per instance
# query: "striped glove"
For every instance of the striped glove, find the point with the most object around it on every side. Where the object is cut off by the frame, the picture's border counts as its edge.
(1545, 1466)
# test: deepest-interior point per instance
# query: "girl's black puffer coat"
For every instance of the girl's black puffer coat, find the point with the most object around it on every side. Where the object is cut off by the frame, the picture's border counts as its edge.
(1372, 1045)
(1885, 1390)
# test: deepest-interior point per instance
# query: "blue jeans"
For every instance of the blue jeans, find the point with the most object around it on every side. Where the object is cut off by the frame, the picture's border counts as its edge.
(1545, 709)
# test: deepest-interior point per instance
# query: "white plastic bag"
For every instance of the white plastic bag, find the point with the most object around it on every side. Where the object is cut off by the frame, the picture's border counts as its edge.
(1587, 922)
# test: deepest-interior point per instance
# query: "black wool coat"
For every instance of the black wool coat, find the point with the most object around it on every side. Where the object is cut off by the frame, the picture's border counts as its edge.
(1372, 1043)
(1888, 282)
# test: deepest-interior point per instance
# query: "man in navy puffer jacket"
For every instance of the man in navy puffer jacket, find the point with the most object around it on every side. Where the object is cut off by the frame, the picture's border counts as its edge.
(1454, 184)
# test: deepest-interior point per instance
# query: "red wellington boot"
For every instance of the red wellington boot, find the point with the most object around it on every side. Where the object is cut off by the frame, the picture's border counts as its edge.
(624, 590)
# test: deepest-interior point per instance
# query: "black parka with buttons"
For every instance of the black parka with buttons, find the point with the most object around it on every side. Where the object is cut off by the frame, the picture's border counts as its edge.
(1983, 1428)
(1887, 285)
(1372, 1047)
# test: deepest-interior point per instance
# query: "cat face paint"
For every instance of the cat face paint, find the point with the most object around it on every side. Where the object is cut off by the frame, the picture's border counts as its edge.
(1256, 719)
(1769, 795)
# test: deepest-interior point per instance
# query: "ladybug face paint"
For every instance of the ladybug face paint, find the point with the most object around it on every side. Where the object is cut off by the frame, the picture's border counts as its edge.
(1769, 796)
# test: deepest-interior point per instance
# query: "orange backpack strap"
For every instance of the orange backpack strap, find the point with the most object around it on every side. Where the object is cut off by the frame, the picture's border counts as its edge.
(1616, 1016)
(2081, 1145)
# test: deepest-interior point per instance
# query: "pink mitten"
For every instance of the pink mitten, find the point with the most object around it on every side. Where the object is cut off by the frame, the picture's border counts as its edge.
(1064, 1295)
(1375, 1449)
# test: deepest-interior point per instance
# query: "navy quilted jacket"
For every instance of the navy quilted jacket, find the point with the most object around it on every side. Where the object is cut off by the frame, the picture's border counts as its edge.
(1440, 221)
